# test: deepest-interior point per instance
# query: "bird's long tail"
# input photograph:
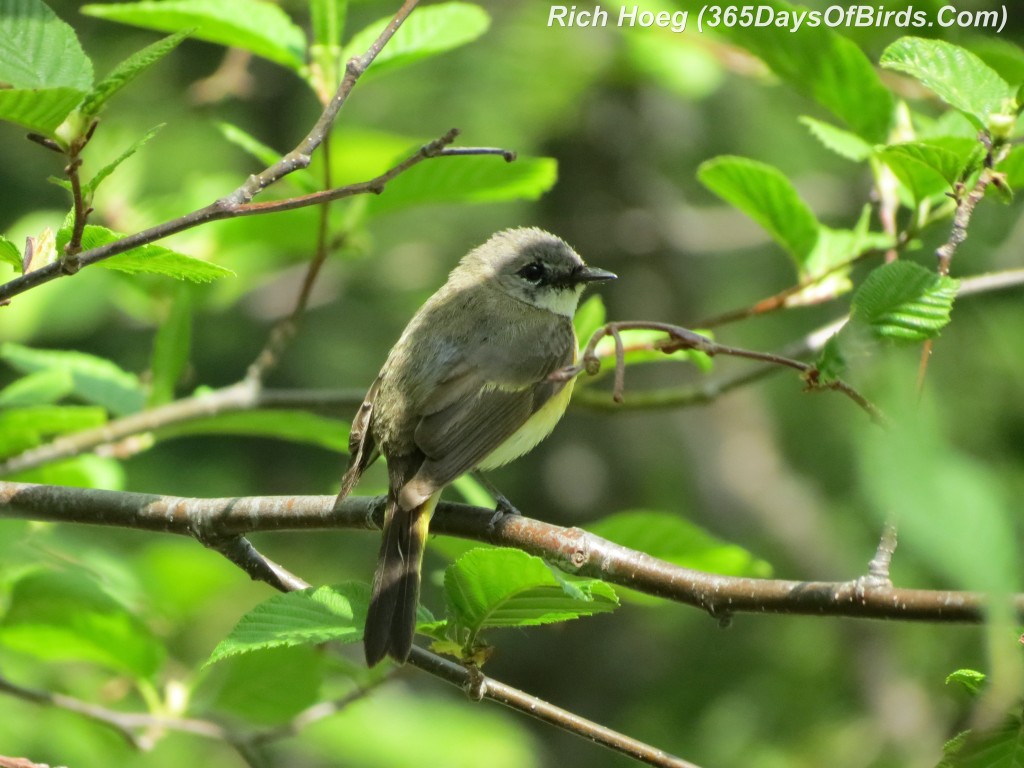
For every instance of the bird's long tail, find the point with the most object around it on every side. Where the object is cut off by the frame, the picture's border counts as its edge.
(391, 618)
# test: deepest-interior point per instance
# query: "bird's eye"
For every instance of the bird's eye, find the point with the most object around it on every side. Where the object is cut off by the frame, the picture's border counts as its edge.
(533, 272)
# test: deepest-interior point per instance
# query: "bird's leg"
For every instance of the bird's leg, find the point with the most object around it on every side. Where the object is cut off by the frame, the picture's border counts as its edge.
(502, 505)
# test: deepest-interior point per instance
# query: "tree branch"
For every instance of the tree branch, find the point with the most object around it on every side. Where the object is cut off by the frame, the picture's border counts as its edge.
(572, 549)
(243, 396)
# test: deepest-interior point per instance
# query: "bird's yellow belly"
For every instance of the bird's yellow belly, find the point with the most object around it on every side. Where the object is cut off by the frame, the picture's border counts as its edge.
(535, 429)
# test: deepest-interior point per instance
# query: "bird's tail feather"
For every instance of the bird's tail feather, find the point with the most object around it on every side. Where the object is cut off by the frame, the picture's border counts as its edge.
(391, 617)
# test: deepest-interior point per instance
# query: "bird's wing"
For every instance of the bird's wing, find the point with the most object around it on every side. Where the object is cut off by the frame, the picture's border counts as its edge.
(362, 447)
(475, 411)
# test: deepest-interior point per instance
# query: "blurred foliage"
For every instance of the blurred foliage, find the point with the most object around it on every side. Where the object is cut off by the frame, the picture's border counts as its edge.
(709, 170)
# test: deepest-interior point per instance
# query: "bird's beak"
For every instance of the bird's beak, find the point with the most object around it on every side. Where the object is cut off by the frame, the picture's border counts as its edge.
(587, 274)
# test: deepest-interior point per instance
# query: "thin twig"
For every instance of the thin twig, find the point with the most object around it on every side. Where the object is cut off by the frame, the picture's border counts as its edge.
(678, 338)
(488, 688)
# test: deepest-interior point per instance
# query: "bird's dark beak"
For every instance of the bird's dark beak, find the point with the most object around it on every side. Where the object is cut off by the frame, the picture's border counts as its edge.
(587, 274)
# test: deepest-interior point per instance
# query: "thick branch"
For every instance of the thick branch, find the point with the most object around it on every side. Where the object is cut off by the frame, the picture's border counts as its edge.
(572, 549)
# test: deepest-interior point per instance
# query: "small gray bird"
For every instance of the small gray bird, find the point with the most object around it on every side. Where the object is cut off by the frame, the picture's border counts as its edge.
(466, 387)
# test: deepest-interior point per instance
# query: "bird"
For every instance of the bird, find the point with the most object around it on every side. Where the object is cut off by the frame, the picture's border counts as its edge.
(468, 386)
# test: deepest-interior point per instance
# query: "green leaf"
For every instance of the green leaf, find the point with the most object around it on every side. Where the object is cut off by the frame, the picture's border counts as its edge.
(294, 426)
(671, 538)
(1000, 747)
(843, 143)
(926, 169)
(266, 687)
(509, 588)
(469, 179)
(85, 471)
(96, 380)
(146, 259)
(40, 388)
(308, 616)
(9, 253)
(127, 71)
(430, 30)
(971, 679)
(62, 616)
(256, 26)
(589, 317)
(26, 427)
(39, 51)
(171, 348)
(767, 196)
(40, 111)
(326, 55)
(89, 188)
(956, 75)
(823, 65)
(904, 302)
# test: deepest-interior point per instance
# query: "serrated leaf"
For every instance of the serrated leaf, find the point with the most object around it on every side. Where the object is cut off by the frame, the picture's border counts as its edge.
(170, 348)
(924, 168)
(294, 426)
(28, 426)
(971, 679)
(825, 66)
(844, 143)
(146, 259)
(39, 388)
(430, 30)
(96, 380)
(767, 196)
(127, 71)
(256, 26)
(468, 179)
(1001, 747)
(89, 188)
(308, 616)
(903, 301)
(671, 538)
(508, 588)
(39, 51)
(40, 111)
(9, 253)
(956, 75)
(60, 616)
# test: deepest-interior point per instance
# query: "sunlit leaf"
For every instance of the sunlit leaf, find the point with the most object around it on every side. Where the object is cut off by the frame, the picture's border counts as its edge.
(281, 424)
(768, 197)
(428, 31)
(509, 588)
(313, 615)
(96, 380)
(127, 71)
(61, 616)
(256, 26)
(904, 301)
(956, 75)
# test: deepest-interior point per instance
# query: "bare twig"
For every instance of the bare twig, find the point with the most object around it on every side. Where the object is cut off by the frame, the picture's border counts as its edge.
(678, 338)
(570, 548)
(488, 688)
